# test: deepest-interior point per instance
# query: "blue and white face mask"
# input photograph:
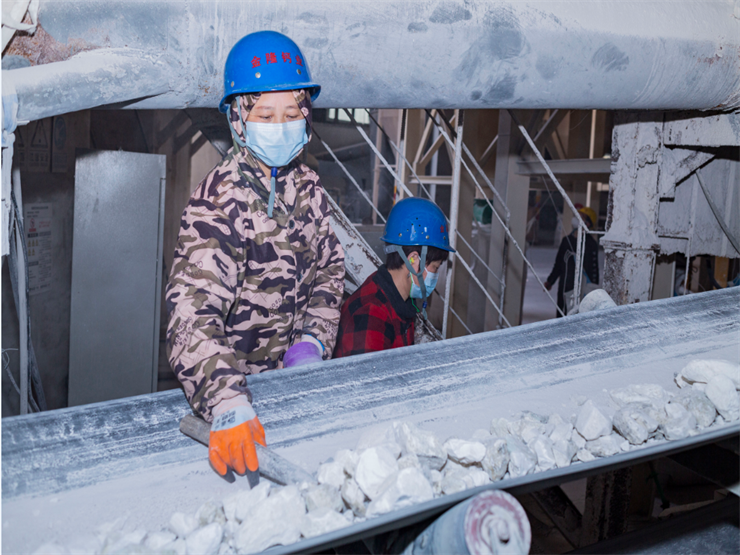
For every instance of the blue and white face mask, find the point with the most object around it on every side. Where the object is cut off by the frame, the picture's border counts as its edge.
(276, 144)
(430, 282)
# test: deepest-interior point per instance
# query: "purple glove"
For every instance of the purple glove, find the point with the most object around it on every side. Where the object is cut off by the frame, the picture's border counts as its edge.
(304, 352)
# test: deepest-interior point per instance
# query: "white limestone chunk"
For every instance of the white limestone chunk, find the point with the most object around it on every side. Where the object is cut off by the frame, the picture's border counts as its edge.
(354, 497)
(410, 460)
(521, 458)
(680, 422)
(436, 480)
(177, 547)
(323, 521)
(465, 452)
(542, 447)
(182, 524)
(529, 426)
(625, 445)
(627, 421)
(460, 479)
(500, 427)
(721, 391)
(648, 393)
(578, 440)
(331, 473)
(157, 540)
(702, 371)
(698, 404)
(323, 496)
(561, 430)
(206, 540)
(238, 505)
(605, 446)
(210, 512)
(591, 423)
(348, 459)
(563, 451)
(275, 521)
(598, 299)
(496, 460)
(407, 487)
(585, 456)
(226, 549)
(119, 542)
(373, 467)
(481, 435)
(422, 443)
(530, 432)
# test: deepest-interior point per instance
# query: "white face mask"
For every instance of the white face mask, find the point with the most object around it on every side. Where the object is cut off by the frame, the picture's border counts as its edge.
(276, 144)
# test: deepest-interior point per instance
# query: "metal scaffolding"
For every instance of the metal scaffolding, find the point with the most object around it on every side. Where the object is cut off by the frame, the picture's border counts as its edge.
(502, 214)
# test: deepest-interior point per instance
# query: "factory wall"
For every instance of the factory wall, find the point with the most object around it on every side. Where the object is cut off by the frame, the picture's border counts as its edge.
(45, 152)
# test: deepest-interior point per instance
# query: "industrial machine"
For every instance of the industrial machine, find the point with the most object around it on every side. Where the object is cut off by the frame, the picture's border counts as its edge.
(69, 471)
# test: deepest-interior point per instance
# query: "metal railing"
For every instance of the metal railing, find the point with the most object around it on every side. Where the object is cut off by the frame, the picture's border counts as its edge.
(459, 147)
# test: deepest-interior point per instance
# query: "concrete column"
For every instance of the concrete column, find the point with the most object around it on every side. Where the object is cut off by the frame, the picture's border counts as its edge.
(631, 241)
(514, 189)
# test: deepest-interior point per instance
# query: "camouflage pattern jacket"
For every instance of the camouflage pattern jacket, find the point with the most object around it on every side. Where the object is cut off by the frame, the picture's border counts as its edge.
(244, 287)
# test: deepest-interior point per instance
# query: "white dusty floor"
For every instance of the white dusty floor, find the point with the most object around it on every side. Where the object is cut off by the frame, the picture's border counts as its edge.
(148, 499)
(538, 305)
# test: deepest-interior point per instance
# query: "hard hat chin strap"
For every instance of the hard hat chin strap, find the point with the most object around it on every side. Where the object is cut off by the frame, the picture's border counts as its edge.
(419, 275)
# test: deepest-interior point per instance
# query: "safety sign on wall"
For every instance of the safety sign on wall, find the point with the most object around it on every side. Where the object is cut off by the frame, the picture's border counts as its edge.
(37, 219)
(39, 148)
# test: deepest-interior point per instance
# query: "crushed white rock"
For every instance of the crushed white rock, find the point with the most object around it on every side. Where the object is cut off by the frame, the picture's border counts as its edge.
(373, 468)
(465, 452)
(701, 371)
(721, 392)
(399, 464)
(591, 423)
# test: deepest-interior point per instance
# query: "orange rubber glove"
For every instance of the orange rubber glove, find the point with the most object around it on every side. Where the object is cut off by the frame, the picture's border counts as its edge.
(234, 430)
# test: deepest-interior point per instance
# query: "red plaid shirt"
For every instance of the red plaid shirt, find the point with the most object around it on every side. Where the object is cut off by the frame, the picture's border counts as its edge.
(375, 318)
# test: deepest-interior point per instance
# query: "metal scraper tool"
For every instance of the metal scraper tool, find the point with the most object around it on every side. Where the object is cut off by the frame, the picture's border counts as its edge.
(272, 466)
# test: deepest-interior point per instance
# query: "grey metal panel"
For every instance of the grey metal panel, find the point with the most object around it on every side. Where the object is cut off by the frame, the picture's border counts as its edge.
(688, 214)
(116, 281)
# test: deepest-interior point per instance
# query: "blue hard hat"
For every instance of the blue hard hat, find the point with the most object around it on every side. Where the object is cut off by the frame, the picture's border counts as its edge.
(417, 221)
(265, 61)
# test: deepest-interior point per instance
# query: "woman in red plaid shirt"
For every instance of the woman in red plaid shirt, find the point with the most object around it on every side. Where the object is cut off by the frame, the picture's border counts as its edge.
(381, 313)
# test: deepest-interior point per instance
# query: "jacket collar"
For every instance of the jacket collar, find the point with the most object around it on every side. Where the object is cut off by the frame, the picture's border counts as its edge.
(405, 309)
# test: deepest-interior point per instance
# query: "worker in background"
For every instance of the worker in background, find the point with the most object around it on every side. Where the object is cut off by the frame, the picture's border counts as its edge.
(258, 274)
(381, 313)
(564, 268)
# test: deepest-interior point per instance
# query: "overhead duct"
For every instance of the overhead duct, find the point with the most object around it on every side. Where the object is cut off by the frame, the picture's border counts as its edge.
(408, 54)
(85, 81)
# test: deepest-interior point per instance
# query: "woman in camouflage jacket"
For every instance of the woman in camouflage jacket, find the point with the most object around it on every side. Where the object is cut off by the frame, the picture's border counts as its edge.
(245, 287)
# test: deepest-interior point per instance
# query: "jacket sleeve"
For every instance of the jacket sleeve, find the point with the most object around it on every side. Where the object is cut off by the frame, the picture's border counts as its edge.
(322, 314)
(200, 292)
(557, 268)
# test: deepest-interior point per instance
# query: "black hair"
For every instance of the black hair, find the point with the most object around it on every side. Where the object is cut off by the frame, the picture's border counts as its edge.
(393, 260)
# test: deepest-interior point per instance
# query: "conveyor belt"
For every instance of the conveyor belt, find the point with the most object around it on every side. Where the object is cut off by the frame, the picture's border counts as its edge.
(308, 412)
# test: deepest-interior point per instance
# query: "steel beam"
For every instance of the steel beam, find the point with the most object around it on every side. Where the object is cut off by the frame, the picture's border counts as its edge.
(584, 168)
